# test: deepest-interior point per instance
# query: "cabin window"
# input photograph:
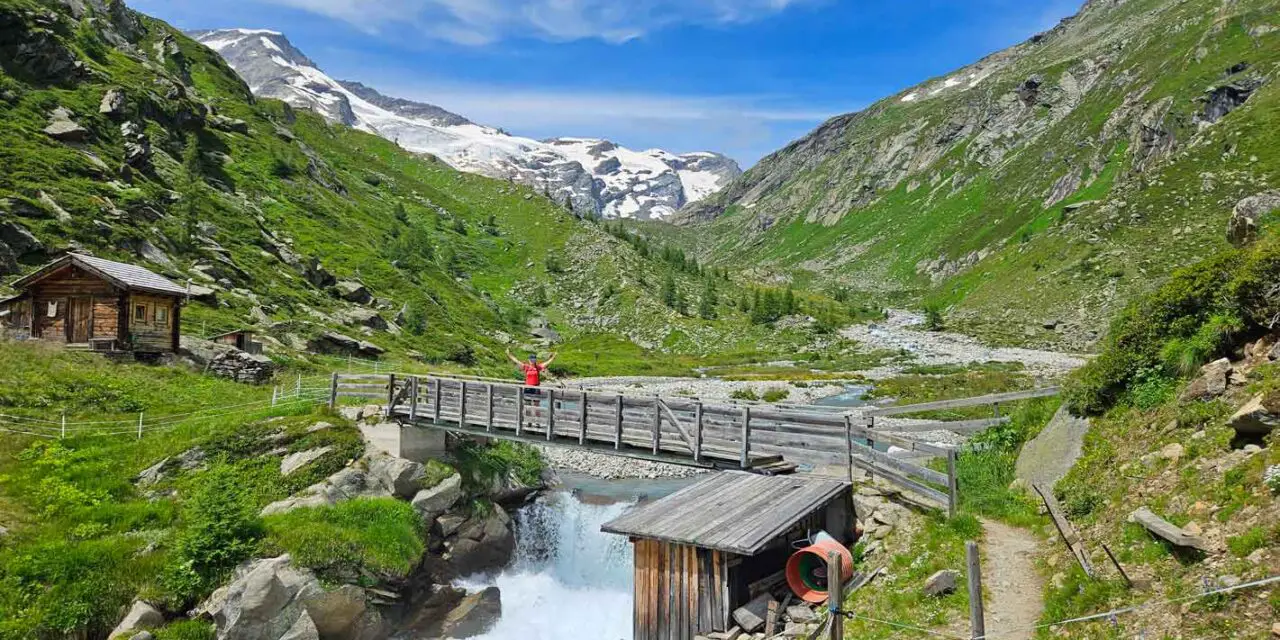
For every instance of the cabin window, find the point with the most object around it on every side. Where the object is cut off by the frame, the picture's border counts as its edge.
(162, 316)
(140, 313)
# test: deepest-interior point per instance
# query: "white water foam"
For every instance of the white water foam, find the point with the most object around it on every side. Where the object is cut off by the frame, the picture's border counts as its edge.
(569, 581)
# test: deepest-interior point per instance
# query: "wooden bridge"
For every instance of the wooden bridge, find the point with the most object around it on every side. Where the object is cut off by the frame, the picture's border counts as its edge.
(756, 437)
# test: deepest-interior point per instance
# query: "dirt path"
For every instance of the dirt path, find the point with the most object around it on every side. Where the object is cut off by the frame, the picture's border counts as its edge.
(1015, 592)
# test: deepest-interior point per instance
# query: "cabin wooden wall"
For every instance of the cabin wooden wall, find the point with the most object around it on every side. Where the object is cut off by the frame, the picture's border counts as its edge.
(153, 322)
(59, 288)
(18, 322)
(680, 591)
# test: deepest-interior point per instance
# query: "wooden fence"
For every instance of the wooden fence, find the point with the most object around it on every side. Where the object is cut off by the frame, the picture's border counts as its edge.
(677, 430)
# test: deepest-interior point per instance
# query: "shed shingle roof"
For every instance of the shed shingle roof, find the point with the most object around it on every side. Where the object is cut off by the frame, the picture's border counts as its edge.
(129, 276)
(729, 511)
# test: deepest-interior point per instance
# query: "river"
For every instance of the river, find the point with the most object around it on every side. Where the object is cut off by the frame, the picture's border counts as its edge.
(569, 580)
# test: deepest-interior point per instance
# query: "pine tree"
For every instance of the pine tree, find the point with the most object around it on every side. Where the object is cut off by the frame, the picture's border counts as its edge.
(707, 304)
(682, 304)
(668, 293)
(788, 302)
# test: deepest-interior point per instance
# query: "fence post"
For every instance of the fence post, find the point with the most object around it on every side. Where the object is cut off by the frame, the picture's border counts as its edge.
(582, 428)
(848, 445)
(391, 395)
(413, 399)
(435, 401)
(657, 425)
(551, 414)
(617, 434)
(976, 619)
(297, 387)
(871, 443)
(697, 433)
(63, 434)
(835, 591)
(953, 485)
(745, 457)
(333, 390)
(275, 394)
(139, 425)
(996, 407)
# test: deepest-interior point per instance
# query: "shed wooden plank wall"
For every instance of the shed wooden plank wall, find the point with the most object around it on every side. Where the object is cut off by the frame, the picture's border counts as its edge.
(680, 591)
(149, 334)
(68, 283)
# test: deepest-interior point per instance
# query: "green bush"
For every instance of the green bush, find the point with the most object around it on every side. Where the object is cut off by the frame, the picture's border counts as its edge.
(1201, 313)
(775, 394)
(220, 528)
(479, 464)
(1252, 540)
(746, 393)
(186, 630)
(382, 536)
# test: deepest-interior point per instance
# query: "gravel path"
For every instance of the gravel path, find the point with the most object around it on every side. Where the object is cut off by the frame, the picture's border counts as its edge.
(901, 330)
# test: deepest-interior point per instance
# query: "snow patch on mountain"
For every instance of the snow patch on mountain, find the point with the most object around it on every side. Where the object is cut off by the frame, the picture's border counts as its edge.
(591, 175)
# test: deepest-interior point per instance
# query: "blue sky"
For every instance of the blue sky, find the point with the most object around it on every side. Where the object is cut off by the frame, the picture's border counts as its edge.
(743, 77)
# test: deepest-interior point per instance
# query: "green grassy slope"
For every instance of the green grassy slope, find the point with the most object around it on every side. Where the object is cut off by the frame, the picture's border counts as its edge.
(946, 197)
(270, 211)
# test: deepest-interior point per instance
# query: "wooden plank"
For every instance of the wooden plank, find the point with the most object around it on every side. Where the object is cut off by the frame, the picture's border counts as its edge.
(953, 486)
(1068, 532)
(551, 414)
(1167, 530)
(413, 397)
(488, 399)
(954, 426)
(520, 407)
(462, 404)
(964, 402)
(746, 437)
(904, 482)
(436, 402)
(885, 460)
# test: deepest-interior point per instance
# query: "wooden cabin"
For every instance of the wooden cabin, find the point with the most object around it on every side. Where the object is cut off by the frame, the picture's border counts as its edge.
(712, 547)
(98, 304)
(241, 339)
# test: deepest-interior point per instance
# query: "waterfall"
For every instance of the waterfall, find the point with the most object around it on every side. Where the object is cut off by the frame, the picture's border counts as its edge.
(569, 580)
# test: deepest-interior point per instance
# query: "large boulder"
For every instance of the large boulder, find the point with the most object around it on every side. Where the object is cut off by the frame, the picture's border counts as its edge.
(304, 628)
(476, 614)
(353, 291)
(61, 127)
(263, 601)
(484, 544)
(1242, 228)
(941, 583)
(295, 461)
(140, 616)
(432, 503)
(362, 317)
(339, 613)
(1211, 383)
(113, 103)
(1258, 417)
(346, 484)
(334, 342)
(401, 478)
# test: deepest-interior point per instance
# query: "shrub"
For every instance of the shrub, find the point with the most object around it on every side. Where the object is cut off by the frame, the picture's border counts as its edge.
(934, 320)
(381, 535)
(480, 464)
(220, 528)
(745, 393)
(776, 394)
(1202, 312)
(186, 630)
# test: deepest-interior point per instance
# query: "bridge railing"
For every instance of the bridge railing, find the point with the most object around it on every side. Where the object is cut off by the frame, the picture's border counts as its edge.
(679, 430)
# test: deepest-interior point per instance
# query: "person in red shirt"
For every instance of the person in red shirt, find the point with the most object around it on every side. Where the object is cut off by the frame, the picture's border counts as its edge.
(532, 376)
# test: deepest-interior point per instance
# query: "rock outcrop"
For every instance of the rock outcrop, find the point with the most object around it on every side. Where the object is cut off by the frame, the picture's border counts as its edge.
(141, 616)
(227, 361)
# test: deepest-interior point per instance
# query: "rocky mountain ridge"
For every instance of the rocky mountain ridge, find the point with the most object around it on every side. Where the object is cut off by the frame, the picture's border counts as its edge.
(592, 176)
(1033, 184)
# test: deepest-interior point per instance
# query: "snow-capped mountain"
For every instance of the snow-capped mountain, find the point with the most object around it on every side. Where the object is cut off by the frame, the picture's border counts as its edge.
(595, 175)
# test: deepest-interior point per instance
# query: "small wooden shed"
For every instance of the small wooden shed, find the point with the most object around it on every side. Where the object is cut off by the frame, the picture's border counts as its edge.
(241, 339)
(99, 304)
(709, 548)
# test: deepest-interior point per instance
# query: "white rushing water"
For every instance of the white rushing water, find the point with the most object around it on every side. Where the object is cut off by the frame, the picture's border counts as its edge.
(569, 580)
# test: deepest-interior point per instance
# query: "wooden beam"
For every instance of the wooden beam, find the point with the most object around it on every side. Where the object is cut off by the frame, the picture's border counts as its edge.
(462, 404)
(657, 424)
(954, 426)
(1167, 530)
(965, 402)
(582, 412)
(617, 434)
(1068, 532)
(436, 399)
(488, 398)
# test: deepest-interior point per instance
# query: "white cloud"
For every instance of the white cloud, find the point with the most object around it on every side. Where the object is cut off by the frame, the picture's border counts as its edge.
(477, 22)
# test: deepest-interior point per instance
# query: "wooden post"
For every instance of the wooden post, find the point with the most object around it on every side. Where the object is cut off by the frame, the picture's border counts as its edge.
(976, 619)
(333, 390)
(139, 425)
(297, 387)
(771, 619)
(657, 425)
(435, 402)
(488, 400)
(519, 411)
(63, 434)
(835, 589)
(582, 428)
(848, 445)
(391, 395)
(697, 432)
(617, 433)
(413, 398)
(953, 485)
(551, 414)
(871, 443)
(275, 394)
(1128, 582)
(745, 457)
(462, 404)
(996, 407)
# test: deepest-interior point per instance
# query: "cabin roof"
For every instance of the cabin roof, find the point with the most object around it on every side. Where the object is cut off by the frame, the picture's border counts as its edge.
(230, 333)
(731, 511)
(126, 276)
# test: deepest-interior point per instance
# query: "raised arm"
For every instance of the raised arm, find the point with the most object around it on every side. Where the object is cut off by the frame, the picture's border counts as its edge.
(514, 360)
(550, 360)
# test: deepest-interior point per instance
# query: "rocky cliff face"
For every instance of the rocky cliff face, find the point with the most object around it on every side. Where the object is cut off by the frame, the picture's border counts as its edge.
(592, 176)
(1134, 125)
